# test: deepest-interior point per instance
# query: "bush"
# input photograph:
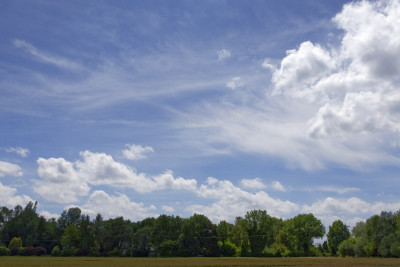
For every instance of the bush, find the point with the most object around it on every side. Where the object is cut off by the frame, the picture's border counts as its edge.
(347, 248)
(68, 252)
(14, 251)
(56, 251)
(83, 252)
(4, 251)
(228, 249)
(278, 250)
(39, 251)
(15, 242)
(21, 251)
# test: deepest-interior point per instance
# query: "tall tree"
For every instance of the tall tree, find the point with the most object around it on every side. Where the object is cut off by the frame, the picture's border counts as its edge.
(258, 225)
(338, 232)
(198, 237)
(300, 231)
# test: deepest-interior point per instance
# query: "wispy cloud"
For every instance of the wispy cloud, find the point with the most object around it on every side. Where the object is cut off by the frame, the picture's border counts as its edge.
(45, 58)
(223, 54)
(23, 152)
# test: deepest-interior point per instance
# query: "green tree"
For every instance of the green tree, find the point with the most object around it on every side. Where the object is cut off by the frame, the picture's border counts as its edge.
(23, 224)
(240, 237)
(338, 232)
(258, 225)
(166, 228)
(299, 232)
(198, 237)
(71, 237)
(347, 247)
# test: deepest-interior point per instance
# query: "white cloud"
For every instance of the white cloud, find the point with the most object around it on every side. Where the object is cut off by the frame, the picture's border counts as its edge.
(60, 181)
(167, 208)
(332, 104)
(277, 186)
(49, 215)
(335, 189)
(361, 96)
(23, 152)
(10, 169)
(235, 83)
(223, 54)
(268, 65)
(43, 57)
(135, 152)
(9, 199)
(255, 183)
(348, 206)
(301, 69)
(64, 181)
(232, 201)
(111, 206)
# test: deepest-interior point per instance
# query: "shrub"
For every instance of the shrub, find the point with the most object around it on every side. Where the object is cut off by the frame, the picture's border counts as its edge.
(14, 251)
(21, 251)
(83, 252)
(39, 251)
(347, 248)
(15, 242)
(56, 251)
(4, 251)
(228, 249)
(277, 250)
(68, 252)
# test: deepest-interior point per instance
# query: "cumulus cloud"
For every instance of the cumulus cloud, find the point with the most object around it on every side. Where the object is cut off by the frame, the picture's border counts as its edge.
(23, 152)
(49, 215)
(135, 152)
(277, 186)
(301, 69)
(168, 209)
(9, 198)
(268, 65)
(64, 182)
(223, 54)
(326, 104)
(255, 183)
(10, 169)
(231, 201)
(355, 84)
(348, 206)
(60, 181)
(112, 206)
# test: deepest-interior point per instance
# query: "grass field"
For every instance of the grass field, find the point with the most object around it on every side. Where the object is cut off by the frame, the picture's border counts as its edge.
(87, 261)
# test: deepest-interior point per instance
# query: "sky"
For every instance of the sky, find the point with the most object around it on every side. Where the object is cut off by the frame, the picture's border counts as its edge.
(142, 108)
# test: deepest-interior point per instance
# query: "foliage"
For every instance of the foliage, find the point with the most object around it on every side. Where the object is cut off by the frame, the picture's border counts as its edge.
(168, 248)
(338, 232)
(255, 234)
(56, 251)
(4, 251)
(299, 232)
(69, 251)
(15, 242)
(71, 237)
(257, 223)
(347, 248)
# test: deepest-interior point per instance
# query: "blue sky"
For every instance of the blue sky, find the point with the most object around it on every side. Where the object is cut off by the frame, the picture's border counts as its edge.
(141, 108)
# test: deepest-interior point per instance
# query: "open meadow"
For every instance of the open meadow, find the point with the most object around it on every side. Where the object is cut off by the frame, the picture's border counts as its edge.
(89, 261)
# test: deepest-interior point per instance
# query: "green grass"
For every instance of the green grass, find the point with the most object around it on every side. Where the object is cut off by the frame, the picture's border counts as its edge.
(88, 261)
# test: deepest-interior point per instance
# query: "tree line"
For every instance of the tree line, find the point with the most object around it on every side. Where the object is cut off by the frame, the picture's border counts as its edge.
(24, 232)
